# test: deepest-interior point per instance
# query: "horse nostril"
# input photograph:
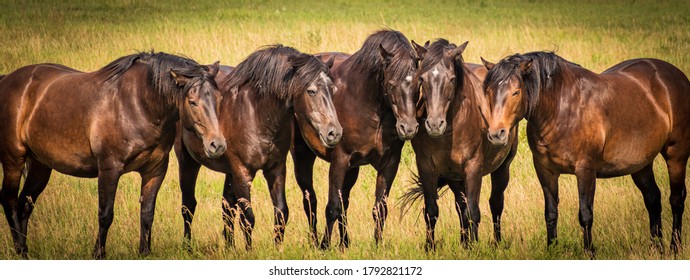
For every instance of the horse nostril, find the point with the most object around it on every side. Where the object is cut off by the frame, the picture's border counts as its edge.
(502, 133)
(213, 145)
(331, 135)
(441, 123)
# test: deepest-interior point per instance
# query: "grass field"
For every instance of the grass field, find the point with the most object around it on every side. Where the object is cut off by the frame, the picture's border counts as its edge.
(596, 34)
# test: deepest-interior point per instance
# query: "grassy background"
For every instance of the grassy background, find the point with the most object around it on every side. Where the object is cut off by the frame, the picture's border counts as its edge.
(596, 34)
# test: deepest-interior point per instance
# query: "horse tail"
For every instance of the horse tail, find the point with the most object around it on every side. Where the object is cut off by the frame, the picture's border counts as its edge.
(414, 194)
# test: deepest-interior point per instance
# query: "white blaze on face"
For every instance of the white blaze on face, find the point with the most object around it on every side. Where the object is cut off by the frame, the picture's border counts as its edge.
(325, 78)
(435, 72)
(408, 79)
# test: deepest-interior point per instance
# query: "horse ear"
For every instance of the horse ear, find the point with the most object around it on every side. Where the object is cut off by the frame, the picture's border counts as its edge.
(426, 45)
(297, 61)
(180, 80)
(421, 51)
(456, 53)
(525, 66)
(330, 61)
(487, 64)
(213, 69)
(385, 55)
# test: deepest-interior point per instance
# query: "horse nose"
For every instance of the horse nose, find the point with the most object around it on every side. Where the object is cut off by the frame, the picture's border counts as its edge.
(498, 137)
(217, 147)
(407, 131)
(334, 135)
(435, 127)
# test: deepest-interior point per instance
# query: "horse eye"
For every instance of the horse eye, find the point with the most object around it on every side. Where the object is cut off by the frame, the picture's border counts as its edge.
(192, 103)
(311, 92)
(516, 93)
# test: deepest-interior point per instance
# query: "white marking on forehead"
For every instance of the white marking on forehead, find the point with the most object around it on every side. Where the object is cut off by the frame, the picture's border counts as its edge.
(501, 83)
(324, 77)
(435, 72)
(408, 79)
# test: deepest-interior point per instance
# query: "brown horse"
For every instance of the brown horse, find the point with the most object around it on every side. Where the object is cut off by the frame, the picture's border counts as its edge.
(103, 124)
(376, 106)
(596, 126)
(261, 96)
(454, 150)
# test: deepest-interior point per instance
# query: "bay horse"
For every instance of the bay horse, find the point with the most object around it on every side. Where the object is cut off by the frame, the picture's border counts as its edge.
(102, 124)
(596, 126)
(453, 149)
(376, 107)
(261, 96)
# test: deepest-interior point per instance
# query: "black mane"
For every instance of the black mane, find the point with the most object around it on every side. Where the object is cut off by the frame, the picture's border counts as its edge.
(276, 70)
(367, 60)
(545, 70)
(436, 52)
(159, 66)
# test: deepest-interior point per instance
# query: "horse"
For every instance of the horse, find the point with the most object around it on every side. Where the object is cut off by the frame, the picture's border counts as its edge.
(261, 96)
(453, 149)
(119, 119)
(596, 126)
(376, 106)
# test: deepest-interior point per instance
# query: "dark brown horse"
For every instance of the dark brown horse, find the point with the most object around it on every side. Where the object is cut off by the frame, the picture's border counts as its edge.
(454, 150)
(103, 124)
(261, 96)
(376, 106)
(596, 126)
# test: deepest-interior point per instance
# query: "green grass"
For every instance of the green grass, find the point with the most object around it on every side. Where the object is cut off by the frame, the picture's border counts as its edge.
(595, 34)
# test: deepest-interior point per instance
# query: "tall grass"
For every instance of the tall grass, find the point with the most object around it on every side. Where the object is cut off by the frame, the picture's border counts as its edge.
(88, 34)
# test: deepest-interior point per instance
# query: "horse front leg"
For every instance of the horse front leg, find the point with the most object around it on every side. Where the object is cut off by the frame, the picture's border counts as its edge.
(36, 180)
(108, 178)
(242, 183)
(303, 159)
(586, 183)
(150, 185)
(188, 172)
(549, 184)
(334, 208)
(473, 185)
(276, 183)
(384, 181)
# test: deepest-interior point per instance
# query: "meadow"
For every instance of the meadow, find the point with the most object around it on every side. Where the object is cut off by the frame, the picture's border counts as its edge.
(87, 35)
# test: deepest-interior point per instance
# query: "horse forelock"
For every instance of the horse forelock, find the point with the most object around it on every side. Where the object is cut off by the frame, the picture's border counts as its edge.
(367, 61)
(437, 52)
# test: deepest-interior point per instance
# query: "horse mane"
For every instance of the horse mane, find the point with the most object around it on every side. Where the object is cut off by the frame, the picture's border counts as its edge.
(276, 70)
(367, 60)
(436, 52)
(158, 72)
(546, 69)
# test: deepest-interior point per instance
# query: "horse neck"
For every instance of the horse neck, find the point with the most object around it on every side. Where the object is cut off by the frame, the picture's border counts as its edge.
(147, 103)
(552, 110)
(271, 115)
(468, 99)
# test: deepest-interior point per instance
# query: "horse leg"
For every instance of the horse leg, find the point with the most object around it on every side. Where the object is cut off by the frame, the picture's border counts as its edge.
(549, 184)
(242, 183)
(384, 181)
(676, 171)
(150, 185)
(644, 180)
(499, 182)
(229, 206)
(303, 159)
(473, 185)
(188, 172)
(348, 183)
(107, 186)
(430, 190)
(458, 189)
(36, 181)
(276, 183)
(334, 208)
(586, 184)
(12, 174)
